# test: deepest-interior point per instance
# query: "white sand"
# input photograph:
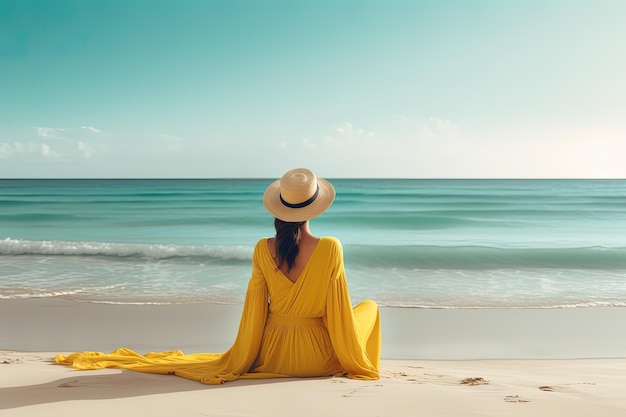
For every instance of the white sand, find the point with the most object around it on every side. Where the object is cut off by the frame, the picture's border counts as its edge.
(32, 386)
(411, 383)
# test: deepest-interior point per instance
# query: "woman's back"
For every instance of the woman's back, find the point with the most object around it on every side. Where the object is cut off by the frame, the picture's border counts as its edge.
(296, 340)
(306, 295)
(306, 247)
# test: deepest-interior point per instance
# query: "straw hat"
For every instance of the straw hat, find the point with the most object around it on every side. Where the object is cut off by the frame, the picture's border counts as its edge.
(298, 196)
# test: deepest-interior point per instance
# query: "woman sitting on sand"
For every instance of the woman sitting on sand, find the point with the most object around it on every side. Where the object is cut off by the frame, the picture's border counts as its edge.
(297, 318)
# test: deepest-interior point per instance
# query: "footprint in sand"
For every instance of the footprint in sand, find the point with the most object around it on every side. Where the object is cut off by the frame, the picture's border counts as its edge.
(549, 388)
(479, 380)
(515, 399)
(337, 381)
(356, 390)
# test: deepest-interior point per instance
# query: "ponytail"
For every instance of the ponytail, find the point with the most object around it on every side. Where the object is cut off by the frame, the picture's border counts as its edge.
(287, 239)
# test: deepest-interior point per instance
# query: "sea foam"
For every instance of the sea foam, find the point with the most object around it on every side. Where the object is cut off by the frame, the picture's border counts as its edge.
(10, 246)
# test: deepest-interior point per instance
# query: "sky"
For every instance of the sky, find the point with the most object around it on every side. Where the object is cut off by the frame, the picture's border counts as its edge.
(388, 88)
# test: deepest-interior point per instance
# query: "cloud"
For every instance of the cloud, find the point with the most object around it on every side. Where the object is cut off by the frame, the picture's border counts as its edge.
(86, 149)
(344, 128)
(6, 150)
(90, 146)
(442, 124)
(44, 132)
(434, 129)
(47, 151)
(65, 133)
(74, 139)
(91, 129)
(9, 150)
(51, 133)
(28, 147)
(344, 136)
(399, 146)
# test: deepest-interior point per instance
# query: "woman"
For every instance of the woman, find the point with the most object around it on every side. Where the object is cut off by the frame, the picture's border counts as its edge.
(297, 319)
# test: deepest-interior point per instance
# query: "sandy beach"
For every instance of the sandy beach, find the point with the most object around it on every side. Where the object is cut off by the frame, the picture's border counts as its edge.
(473, 362)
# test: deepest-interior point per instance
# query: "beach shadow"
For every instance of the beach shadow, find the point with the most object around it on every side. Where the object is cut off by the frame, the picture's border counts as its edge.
(94, 385)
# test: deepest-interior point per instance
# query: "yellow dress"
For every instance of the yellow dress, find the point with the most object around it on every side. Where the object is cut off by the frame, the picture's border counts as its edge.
(302, 329)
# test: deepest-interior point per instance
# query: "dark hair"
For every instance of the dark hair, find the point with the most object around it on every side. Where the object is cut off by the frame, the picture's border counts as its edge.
(287, 238)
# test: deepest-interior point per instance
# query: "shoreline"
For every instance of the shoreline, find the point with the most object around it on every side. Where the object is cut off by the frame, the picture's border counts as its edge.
(48, 325)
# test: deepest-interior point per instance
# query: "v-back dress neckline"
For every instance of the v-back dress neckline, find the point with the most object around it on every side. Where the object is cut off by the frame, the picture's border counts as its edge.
(306, 265)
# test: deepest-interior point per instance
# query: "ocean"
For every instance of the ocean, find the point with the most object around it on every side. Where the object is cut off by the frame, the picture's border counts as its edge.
(407, 242)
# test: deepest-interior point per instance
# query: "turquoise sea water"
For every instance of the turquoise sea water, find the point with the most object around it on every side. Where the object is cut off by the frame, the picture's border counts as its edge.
(414, 243)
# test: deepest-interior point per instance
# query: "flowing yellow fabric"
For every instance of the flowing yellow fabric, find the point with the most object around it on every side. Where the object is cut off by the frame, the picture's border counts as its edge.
(302, 329)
